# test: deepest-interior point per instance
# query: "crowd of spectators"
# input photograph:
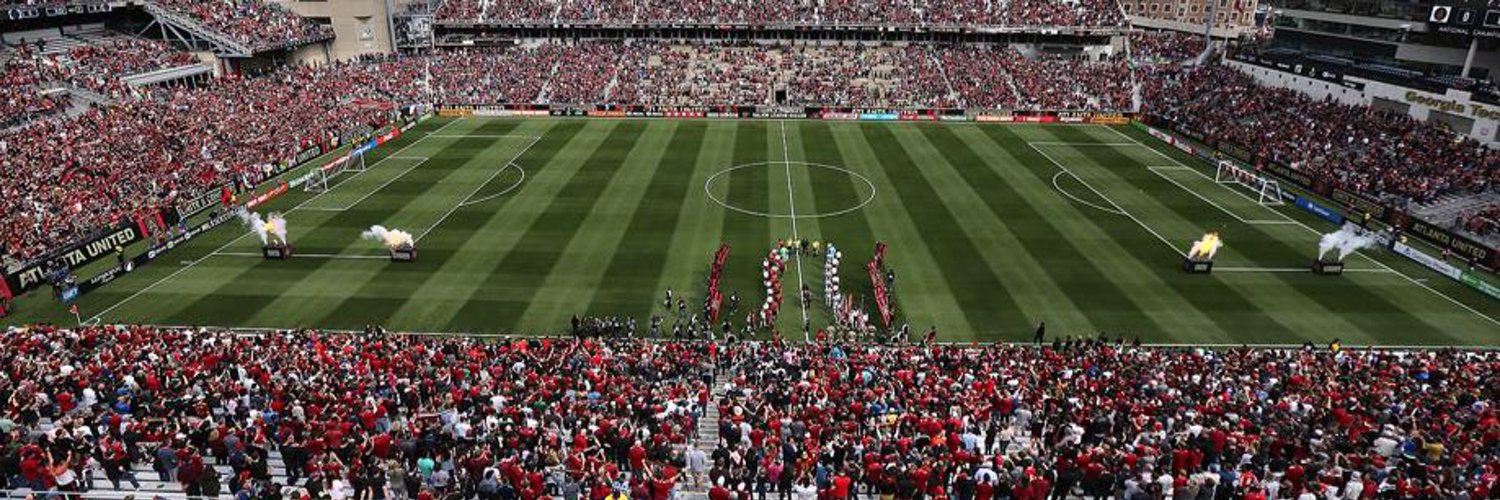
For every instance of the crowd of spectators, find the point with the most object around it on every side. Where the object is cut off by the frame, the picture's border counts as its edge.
(870, 76)
(99, 66)
(346, 415)
(1002, 78)
(905, 77)
(66, 178)
(462, 10)
(376, 415)
(1089, 13)
(1391, 156)
(257, 24)
(1483, 222)
(1050, 83)
(1107, 420)
(1165, 46)
(979, 78)
(94, 64)
(591, 67)
(21, 92)
(683, 75)
(514, 75)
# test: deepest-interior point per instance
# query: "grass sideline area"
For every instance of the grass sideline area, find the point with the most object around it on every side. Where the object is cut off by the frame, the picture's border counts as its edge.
(524, 222)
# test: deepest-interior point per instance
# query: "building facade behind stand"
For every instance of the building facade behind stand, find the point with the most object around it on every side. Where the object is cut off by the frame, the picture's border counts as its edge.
(360, 26)
(1434, 60)
(1426, 36)
(1232, 18)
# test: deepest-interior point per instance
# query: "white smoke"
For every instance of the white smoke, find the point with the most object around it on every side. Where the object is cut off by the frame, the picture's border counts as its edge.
(392, 238)
(270, 229)
(1346, 240)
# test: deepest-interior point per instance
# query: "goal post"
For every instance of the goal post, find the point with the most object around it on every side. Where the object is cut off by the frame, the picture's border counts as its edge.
(1268, 191)
(318, 180)
(355, 163)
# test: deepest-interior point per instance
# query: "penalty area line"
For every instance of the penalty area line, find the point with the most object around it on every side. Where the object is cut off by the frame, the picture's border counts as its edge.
(503, 191)
(1289, 270)
(1112, 203)
(483, 136)
(1194, 192)
(534, 139)
(333, 256)
(1064, 143)
(1179, 165)
(388, 182)
(1065, 192)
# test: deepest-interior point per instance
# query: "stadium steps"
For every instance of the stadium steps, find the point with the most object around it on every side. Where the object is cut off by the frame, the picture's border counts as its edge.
(166, 74)
(937, 63)
(547, 85)
(707, 440)
(708, 426)
(151, 486)
(614, 79)
(83, 98)
(223, 44)
(1443, 209)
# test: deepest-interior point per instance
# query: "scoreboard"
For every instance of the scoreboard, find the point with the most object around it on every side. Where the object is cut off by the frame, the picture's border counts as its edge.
(1466, 17)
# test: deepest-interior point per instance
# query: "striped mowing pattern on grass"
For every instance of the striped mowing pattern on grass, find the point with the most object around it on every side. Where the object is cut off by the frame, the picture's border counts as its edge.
(991, 228)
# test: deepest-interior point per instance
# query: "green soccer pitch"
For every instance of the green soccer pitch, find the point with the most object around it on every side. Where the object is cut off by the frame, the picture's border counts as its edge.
(523, 223)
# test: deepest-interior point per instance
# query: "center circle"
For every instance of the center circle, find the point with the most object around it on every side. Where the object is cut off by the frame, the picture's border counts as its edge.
(782, 168)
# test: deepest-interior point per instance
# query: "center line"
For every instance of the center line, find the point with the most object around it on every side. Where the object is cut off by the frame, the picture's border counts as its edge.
(792, 206)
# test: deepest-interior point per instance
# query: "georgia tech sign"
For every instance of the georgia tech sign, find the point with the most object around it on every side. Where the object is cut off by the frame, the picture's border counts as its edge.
(1452, 106)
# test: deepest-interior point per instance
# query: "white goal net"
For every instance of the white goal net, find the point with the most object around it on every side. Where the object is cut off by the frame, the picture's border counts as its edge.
(1267, 191)
(319, 181)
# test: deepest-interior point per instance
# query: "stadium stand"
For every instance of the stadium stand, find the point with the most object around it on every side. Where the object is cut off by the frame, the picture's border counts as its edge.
(1165, 46)
(1039, 13)
(218, 422)
(97, 60)
(69, 177)
(1392, 157)
(1474, 215)
(169, 412)
(258, 24)
(1484, 223)
(1483, 91)
(21, 92)
(31, 3)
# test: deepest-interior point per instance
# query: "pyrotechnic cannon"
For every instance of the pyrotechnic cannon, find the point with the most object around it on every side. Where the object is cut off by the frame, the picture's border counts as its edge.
(1200, 257)
(1346, 241)
(399, 243)
(272, 232)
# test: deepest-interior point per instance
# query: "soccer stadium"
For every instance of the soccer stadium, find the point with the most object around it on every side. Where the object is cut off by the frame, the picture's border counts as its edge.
(738, 250)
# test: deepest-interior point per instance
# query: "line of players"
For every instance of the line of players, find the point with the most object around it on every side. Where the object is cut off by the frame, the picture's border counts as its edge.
(687, 323)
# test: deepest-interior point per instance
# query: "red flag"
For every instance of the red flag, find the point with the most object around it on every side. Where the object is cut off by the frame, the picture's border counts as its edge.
(73, 309)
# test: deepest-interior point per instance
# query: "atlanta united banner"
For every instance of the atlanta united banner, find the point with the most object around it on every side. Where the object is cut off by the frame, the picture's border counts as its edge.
(34, 275)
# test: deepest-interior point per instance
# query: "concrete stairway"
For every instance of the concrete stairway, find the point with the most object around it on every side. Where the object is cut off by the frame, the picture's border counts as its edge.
(223, 44)
(707, 440)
